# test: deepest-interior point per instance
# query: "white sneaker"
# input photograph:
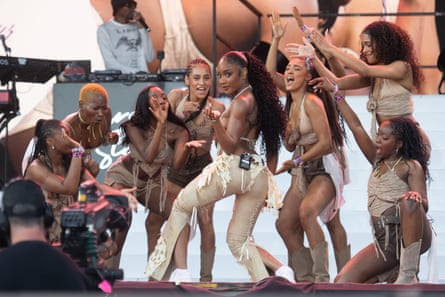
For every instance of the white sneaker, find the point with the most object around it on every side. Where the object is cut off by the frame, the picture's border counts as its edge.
(181, 276)
(286, 272)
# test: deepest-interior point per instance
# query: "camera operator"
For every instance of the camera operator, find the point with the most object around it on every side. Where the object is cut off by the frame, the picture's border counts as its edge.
(30, 263)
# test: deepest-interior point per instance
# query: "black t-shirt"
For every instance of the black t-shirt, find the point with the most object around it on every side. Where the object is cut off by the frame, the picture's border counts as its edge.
(38, 266)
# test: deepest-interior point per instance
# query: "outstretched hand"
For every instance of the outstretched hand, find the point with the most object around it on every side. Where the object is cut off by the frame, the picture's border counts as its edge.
(211, 114)
(278, 29)
(322, 83)
(132, 200)
(285, 167)
(320, 42)
(297, 16)
(111, 138)
(190, 107)
(159, 110)
(195, 143)
(297, 50)
(412, 195)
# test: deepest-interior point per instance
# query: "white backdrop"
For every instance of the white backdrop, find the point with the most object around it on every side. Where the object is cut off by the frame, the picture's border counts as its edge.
(47, 29)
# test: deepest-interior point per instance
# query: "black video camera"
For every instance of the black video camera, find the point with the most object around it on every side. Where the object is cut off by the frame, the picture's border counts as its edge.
(87, 223)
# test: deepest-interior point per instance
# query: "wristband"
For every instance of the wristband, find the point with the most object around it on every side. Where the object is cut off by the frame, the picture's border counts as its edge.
(298, 162)
(77, 152)
(339, 97)
(304, 28)
(335, 91)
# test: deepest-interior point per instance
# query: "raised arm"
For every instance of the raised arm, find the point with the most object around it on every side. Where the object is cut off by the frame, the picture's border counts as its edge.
(54, 182)
(362, 138)
(278, 31)
(148, 148)
(397, 70)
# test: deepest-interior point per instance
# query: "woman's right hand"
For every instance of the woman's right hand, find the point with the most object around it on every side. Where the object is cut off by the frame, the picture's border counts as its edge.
(278, 29)
(159, 109)
(211, 114)
(322, 83)
(321, 43)
(68, 140)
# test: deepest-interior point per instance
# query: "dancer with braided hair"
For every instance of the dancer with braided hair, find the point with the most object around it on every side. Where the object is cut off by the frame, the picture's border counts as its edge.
(238, 170)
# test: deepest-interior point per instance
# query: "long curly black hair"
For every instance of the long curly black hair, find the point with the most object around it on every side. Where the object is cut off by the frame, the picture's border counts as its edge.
(271, 118)
(142, 114)
(391, 43)
(414, 146)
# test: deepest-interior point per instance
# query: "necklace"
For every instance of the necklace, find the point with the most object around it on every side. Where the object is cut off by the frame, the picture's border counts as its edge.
(392, 164)
(242, 91)
(90, 129)
(389, 164)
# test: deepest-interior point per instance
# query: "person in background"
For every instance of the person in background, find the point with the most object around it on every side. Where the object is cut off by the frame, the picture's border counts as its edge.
(391, 74)
(188, 105)
(124, 41)
(90, 125)
(30, 263)
(238, 170)
(397, 198)
(156, 139)
(56, 165)
(315, 136)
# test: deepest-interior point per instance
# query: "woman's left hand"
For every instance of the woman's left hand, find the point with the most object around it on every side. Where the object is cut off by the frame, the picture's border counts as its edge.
(297, 50)
(285, 167)
(132, 200)
(195, 143)
(111, 138)
(412, 195)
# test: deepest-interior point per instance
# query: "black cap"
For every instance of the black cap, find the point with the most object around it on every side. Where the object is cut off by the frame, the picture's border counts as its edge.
(117, 4)
(23, 198)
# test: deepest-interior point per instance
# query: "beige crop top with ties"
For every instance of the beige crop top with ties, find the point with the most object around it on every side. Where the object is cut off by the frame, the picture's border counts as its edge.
(304, 133)
(165, 153)
(200, 128)
(388, 98)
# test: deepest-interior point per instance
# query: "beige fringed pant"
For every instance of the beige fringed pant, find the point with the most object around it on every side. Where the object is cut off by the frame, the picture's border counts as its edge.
(218, 180)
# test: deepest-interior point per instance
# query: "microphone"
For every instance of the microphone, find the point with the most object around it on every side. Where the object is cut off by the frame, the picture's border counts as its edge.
(147, 28)
(5, 47)
(142, 21)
